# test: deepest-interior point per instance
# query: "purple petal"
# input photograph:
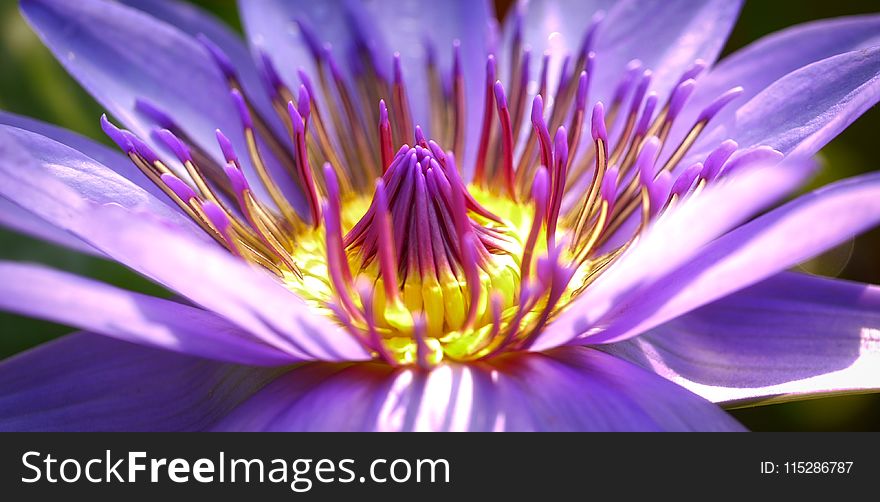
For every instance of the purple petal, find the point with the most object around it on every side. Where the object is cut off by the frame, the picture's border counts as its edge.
(27, 158)
(763, 62)
(667, 37)
(671, 242)
(780, 239)
(194, 21)
(17, 218)
(567, 389)
(120, 55)
(112, 159)
(177, 258)
(87, 382)
(802, 111)
(790, 337)
(41, 292)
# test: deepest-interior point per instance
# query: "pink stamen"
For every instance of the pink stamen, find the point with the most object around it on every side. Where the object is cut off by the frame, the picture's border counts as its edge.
(540, 128)
(385, 146)
(486, 130)
(557, 182)
(304, 170)
(540, 194)
(335, 265)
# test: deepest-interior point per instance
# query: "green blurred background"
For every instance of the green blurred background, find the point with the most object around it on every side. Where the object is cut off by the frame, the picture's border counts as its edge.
(32, 83)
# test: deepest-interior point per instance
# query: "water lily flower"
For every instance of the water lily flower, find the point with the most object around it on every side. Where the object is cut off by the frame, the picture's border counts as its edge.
(411, 216)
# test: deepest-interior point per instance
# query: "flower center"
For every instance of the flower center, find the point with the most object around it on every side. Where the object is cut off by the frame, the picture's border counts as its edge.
(415, 263)
(425, 244)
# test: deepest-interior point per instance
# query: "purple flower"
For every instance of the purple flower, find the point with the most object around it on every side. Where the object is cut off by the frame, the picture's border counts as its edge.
(547, 224)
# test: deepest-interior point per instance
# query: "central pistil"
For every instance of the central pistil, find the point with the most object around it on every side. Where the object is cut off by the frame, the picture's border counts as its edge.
(426, 244)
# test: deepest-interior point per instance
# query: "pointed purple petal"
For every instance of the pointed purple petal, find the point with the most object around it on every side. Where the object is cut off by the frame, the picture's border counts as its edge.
(121, 55)
(770, 58)
(41, 163)
(19, 219)
(110, 158)
(802, 111)
(790, 337)
(88, 382)
(668, 37)
(41, 292)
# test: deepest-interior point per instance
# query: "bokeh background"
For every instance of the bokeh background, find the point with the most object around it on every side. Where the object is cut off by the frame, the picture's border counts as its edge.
(32, 83)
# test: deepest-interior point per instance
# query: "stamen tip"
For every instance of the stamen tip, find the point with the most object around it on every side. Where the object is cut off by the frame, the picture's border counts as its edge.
(581, 97)
(305, 80)
(716, 159)
(761, 155)
(541, 185)
(154, 113)
(116, 134)
(645, 162)
(647, 114)
(420, 136)
(608, 190)
(226, 147)
(537, 110)
(598, 123)
(142, 148)
(181, 151)
(179, 188)
(398, 70)
(679, 97)
(304, 102)
(561, 139)
(658, 192)
(309, 37)
(332, 183)
(720, 102)
(220, 58)
(295, 118)
(242, 109)
(270, 73)
(500, 98)
(383, 113)
(685, 180)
